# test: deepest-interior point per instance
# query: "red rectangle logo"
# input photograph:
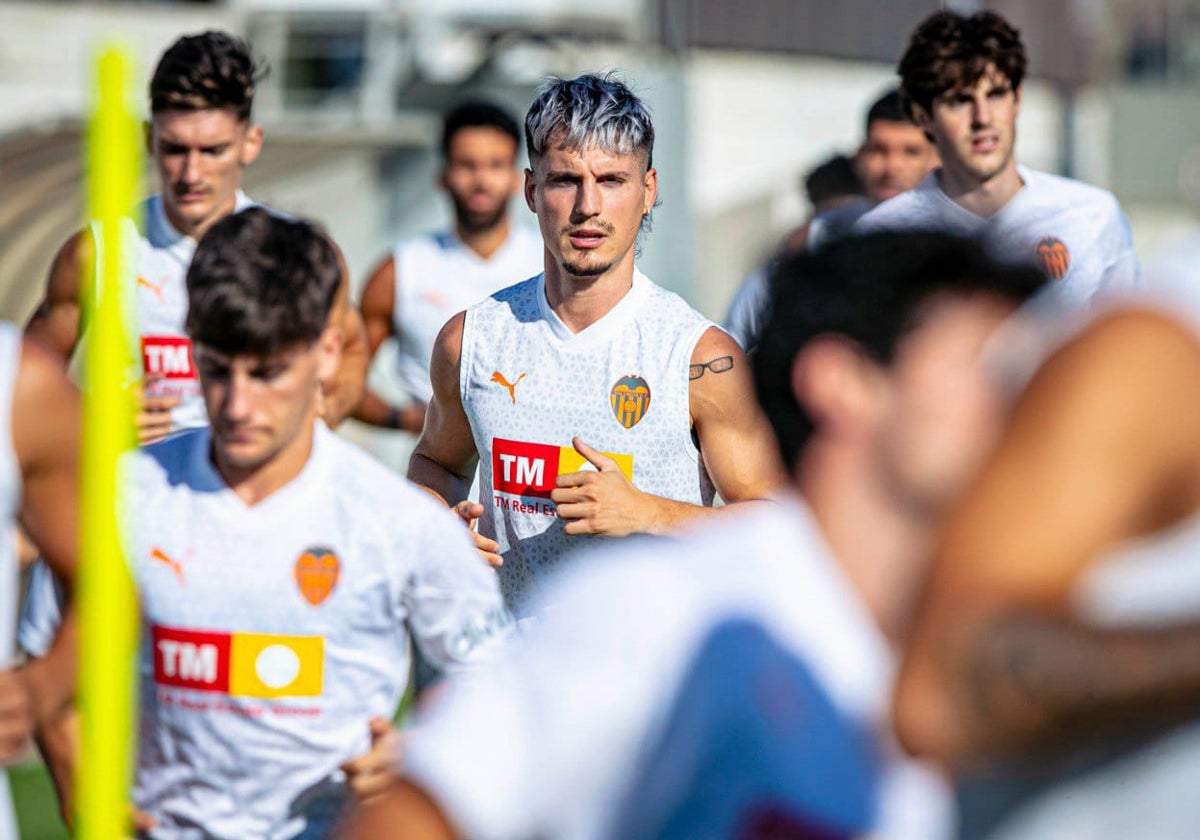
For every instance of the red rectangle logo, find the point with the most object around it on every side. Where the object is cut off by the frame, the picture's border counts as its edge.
(191, 659)
(167, 357)
(524, 469)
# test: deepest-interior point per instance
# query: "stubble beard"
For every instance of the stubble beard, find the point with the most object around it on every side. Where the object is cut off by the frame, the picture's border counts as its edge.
(471, 221)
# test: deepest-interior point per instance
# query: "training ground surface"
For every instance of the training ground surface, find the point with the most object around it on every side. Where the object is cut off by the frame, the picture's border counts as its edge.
(37, 809)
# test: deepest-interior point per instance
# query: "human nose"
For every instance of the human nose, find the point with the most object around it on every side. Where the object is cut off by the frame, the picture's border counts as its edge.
(981, 111)
(237, 403)
(191, 167)
(587, 200)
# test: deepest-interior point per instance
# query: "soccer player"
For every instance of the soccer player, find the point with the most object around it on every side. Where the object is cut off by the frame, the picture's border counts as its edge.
(611, 722)
(894, 157)
(428, 279)
(281, 571)
(1055, 662)
(39, 475)
(201, 137)
(961, 79)
(597, 402)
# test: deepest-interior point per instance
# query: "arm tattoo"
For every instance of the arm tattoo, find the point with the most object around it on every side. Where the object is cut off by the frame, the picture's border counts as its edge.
(718, 365)
(1037, 682)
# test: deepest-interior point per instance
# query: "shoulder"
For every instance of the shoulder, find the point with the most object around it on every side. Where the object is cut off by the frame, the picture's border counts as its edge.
(904, 211)
(1058, 189)
(666, 302)
(171, 460)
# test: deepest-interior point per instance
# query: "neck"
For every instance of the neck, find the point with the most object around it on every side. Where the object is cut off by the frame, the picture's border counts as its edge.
(253, 484)
(983, 198)
(484, 242)
(196, 229)
(881, 549)
(580, 302)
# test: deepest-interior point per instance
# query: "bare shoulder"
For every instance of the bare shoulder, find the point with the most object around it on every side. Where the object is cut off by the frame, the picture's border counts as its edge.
(378, 295)
(45, 404)
(77, 252)
(716, 352)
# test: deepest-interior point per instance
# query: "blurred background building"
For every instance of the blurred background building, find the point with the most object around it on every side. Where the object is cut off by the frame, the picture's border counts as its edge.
(747, 96)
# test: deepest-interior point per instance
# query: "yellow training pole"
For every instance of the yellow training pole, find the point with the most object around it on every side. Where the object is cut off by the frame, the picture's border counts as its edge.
(107, 607)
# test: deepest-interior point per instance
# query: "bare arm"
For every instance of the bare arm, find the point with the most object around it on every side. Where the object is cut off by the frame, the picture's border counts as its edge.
(445, 454)
(56, 321)
(736, 443)
(1104, 446)
(404, 811)
(378, 311)
(343, 393)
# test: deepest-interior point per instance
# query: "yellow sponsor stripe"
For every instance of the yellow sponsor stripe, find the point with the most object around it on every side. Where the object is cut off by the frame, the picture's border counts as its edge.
(570, 461)
(265, 665)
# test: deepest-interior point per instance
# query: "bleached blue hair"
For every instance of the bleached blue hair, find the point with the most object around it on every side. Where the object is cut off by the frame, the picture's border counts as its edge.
(587, 111)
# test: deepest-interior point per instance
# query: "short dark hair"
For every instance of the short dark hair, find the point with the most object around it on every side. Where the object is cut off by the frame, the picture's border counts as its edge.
(871, 290)
(260, 284)
(888, 108)
(832, 179)
(210, 70)
(478, 114)
(949, 51)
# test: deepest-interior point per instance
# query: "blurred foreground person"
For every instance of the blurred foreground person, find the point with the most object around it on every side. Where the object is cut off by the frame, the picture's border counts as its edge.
(737, 682)
(894, 157)
(281, 571)
(1057, 660)
(39, 489)
(961, 80)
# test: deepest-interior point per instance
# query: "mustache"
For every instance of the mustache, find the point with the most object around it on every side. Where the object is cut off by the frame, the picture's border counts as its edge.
(603, 227)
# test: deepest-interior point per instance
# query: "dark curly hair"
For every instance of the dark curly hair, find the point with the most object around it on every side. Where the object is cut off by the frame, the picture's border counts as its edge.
(209, 70)
(948, 52)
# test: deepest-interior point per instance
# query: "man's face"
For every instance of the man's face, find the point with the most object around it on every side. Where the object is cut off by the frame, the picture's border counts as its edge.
(941, 411)
(261, 408)
(200, 155)
(480, 176)
(975, 128)
(590, 204)
(893, 159)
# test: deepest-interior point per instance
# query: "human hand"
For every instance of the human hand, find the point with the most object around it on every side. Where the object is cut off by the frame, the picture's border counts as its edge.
(602, 501)
(469, 512)
(153, 419)
(375, 771)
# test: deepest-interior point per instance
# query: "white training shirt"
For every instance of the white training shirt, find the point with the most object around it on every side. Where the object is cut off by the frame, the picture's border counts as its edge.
(437, 276)
(160, 309)
(555, 740)
(1074, 232)
(529, 385)
(272, 633)
(10, 501)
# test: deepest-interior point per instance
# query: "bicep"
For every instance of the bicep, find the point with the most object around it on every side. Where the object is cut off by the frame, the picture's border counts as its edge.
(45, 423)
(1102, 448)
(446, 439)
(736, 442)
(57, 320)
(377, 304)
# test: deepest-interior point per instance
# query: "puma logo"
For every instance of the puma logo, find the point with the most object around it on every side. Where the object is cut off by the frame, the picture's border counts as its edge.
(171, 563)
(497, 376)
(157, 290)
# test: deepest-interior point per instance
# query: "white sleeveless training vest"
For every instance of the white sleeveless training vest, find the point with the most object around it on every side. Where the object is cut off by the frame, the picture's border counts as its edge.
(529, 385)
(159, 309)
(437, 276)
(10, 499)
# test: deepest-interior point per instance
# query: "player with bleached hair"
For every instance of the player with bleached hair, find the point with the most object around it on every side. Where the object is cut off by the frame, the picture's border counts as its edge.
(596, 402)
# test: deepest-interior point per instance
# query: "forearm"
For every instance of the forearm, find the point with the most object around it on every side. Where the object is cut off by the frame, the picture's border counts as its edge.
(1032, 683)
(58, 742)
(52, 677)
(374, 411)
(666, 515)
(428, 473)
